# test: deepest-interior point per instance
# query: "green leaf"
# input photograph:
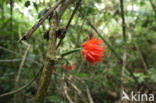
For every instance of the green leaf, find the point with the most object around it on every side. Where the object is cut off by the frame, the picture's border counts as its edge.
(83, 75)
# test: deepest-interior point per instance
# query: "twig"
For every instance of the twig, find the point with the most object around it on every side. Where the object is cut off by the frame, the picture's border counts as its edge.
(81, 63)
(22, 88)
(89, 95)
(34, 28)
(72, 84)
(153, 6)
(11, 60)
(67, 79)
(21, 65)
(36, 8)
(2, 8)
(71, 17)
(18, 54)
(8, 50)
(114, 13)
(65, 88)
(11, 17)
(78, 36)
(140, 55)
(139, 52)
(125, 47)
(66, 93)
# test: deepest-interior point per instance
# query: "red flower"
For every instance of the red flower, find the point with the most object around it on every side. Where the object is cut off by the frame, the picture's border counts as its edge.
(71, 67)
(91, 51)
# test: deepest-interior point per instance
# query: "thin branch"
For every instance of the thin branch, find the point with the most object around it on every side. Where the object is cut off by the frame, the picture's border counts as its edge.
(125, 47)
(21, 65)
(153, 6)
(66, 93)
(11, 60)
(72, 84)
(80, 66)
(87, 89)
(34, 27)
(8, 50)
(89, 95)
(71, 17)
(67, 78)
(65, 88)
(36, 8)
(140, 55)
(78, 36)
(22, 88)
(139, 51)
(11, 17)
(18, 54)
(2, 8)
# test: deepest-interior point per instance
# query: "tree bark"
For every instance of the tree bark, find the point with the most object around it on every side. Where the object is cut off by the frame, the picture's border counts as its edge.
(49, 64)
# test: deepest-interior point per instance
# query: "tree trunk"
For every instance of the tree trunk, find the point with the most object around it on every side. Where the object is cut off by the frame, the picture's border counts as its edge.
(49, 64)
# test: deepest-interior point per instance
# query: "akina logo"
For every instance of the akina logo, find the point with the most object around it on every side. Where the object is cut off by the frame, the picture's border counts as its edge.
(137, 96)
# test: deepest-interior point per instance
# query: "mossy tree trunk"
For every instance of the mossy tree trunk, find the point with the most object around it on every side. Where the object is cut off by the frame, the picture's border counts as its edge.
(49, 64)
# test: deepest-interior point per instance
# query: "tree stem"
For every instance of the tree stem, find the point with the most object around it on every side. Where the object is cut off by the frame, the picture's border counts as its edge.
(49, 64)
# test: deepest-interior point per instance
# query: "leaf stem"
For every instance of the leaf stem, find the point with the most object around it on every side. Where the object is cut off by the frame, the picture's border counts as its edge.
(70, 52)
